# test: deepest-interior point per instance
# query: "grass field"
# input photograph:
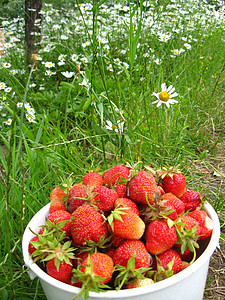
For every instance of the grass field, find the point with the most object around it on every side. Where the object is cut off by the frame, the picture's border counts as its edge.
(92, 99)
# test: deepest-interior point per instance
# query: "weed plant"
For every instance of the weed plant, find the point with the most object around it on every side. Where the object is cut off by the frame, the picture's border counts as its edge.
(91, 98)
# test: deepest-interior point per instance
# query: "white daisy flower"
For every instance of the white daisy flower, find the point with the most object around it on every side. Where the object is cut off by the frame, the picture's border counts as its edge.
(158, 61)
(61, 63)
(6, 65)
(117, 128)
(188, 46)
(49, 64)
(165, 96)
(19, 104)
(30, 118)
(85, 83)
(110, 67)
(85, 44)
(74, 57)
(8, 122)
(68, 74)
(64, 37)
(8, 89)
(2, 85)
(49, 73)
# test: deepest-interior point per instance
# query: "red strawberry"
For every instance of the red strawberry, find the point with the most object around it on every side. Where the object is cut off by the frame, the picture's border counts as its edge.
(173, 202)
(188, 230)
(117, 241)
(62, 273)
(191, 200)
(56, 206)
(174, 183)
(110, 252)
(102, 265)
(31, 247)
(185, 264)
(79, 258)
(166, 257)
(61, 215)
(87, 224)
(126, 224)
(57, 195)
(127, 250)
(189, 223)
(125, 202)
(204, 221)
(114, 174)
(104, 198)
(92, 180)
(121, 190)
(139, 282)
(186, 256)
(142, 186)
(159, 237)
(77, 196)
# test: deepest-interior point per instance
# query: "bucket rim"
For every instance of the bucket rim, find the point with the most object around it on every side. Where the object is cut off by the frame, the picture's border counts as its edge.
(35, 269)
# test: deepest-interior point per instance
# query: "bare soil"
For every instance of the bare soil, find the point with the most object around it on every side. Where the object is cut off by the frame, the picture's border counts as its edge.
(210, 176)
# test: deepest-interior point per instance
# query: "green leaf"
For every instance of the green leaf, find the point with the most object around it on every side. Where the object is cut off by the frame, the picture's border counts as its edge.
(3, 292)
(131, 262)
(130, 140)
(203, 154)
(183, 246)
(87, 104)
(170, 223)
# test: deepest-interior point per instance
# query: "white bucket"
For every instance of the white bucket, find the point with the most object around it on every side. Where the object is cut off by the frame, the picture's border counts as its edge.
(186, 285)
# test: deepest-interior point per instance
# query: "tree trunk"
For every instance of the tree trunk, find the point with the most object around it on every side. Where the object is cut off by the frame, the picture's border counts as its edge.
(32, 28)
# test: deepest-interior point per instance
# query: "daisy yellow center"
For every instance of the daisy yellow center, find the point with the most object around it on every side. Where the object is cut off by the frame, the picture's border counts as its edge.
(164, 96)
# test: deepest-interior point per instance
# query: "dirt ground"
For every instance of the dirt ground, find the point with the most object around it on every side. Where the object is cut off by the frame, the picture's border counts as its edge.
(212, 174)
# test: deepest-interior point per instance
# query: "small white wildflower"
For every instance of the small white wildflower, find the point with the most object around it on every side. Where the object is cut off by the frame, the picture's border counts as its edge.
(61, 63)
(64, 37)
(2, 85)
(158, 61)
(85, 44)
(74, 57)
(8, 122)
(6, 65)
(68, 74)
(30, 118)
(49, 64)
(85, 83)
(8, 89)
(119, 127)
(165, 96)
(19, 104)
(188, 46)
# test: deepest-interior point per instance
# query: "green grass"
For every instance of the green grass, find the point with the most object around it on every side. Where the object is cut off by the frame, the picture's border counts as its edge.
(70, 134)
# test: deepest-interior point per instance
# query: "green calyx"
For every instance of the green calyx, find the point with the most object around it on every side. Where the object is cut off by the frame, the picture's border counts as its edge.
(93, 247)
(49, 247)
(187, 238)
(52, 244)
(116, 214)
(128, 273)
(161, 273)
(90, 281)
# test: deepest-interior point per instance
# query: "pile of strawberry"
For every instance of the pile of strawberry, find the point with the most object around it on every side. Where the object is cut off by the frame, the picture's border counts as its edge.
(123, 228)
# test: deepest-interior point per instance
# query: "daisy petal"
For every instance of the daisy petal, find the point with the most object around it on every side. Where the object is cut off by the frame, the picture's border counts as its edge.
(174, 95)
(155, 101)
(167, 104)
(172, 101)
(172, 89)
(155, 94)
(163, 87)
(159, 104)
